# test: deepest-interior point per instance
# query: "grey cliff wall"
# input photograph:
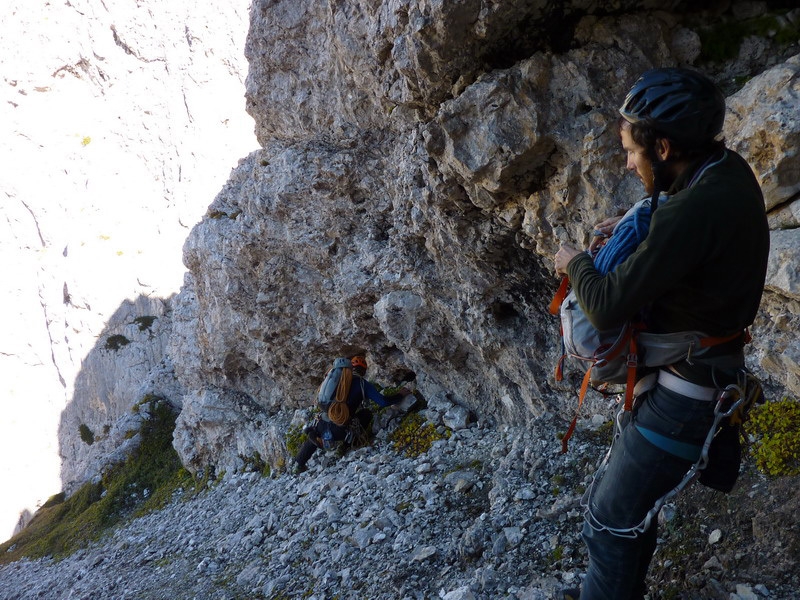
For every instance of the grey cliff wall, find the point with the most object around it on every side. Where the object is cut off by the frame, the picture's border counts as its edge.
(420, 163)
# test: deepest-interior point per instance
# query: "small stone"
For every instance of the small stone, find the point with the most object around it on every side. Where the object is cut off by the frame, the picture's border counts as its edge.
(499, 545)
(456, 418)
(745, 592)
(762, 590)
(462, 593)
(666, 514)
(463, 485)
(715, 536)
(525, 493)
(514, 535)
(423, 553)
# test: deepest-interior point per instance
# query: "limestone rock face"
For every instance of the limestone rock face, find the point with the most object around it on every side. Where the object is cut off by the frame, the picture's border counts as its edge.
(341, 69)
(536, 145)
(763, 124)
(204, 429)
(783, 274)
(128, 365)
(776, 349)
(419, 168)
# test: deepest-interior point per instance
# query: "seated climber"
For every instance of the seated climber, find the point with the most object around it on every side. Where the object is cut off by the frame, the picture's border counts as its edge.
(345, 421)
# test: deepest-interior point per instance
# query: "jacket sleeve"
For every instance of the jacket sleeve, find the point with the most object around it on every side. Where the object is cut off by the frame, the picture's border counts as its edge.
(669, 253)
(373, 394)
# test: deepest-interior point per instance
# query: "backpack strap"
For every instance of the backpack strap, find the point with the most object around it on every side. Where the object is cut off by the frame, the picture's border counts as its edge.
(561, 293)
(362, 386)
(555, 307)
(625, 340)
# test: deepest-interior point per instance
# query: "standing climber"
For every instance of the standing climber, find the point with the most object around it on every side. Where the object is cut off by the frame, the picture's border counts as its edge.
(346, 420)
(702, 268)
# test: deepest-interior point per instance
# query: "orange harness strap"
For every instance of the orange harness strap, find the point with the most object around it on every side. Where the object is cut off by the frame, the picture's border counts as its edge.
(613, 352)
(708, 342)
(633, 364)
(555, 307)
(561, 293)
(627, 340)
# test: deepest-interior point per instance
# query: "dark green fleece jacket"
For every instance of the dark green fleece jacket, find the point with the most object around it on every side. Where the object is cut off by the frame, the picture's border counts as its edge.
(702, 266)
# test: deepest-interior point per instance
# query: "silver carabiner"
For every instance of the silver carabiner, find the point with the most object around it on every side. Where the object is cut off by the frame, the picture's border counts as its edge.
(723, 396)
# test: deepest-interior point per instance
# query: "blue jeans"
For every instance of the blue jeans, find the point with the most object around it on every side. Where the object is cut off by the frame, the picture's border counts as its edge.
(637, 475)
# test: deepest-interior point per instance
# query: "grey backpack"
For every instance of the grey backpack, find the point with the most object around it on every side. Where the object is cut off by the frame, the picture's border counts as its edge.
(334, 390)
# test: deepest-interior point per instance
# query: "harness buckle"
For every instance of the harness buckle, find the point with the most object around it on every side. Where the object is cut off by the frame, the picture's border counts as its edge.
(689, 354)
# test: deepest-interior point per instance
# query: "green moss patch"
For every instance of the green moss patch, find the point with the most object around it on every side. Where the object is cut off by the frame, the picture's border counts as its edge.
(414, 435)
(775, 429)
(294, 439)
(721, 41)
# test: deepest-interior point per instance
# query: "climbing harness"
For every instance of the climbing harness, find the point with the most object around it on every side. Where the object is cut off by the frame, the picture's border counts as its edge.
(732, 402)
(357, 436)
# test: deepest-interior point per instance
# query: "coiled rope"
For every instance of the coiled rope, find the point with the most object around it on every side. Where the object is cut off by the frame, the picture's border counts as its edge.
(338, 411)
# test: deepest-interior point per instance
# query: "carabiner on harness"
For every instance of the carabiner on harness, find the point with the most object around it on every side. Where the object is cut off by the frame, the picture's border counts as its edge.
(728, 401)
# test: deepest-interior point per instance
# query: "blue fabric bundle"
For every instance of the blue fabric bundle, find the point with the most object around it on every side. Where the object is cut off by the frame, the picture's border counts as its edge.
(628, 234)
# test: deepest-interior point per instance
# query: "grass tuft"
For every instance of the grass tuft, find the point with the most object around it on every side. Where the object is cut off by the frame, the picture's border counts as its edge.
(145, 481)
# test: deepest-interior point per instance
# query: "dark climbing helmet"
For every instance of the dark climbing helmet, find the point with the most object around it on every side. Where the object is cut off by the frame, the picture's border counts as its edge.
(681, 104)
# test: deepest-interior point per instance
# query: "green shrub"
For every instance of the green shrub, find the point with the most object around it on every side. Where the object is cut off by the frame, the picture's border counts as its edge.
(115, 342)
(294, 439)
(87, 435)
(144, 323)
(775, 429)
(219, 214)
(414, 436)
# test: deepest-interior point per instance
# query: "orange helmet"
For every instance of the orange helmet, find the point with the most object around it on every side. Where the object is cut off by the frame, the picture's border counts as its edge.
(359, 361)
